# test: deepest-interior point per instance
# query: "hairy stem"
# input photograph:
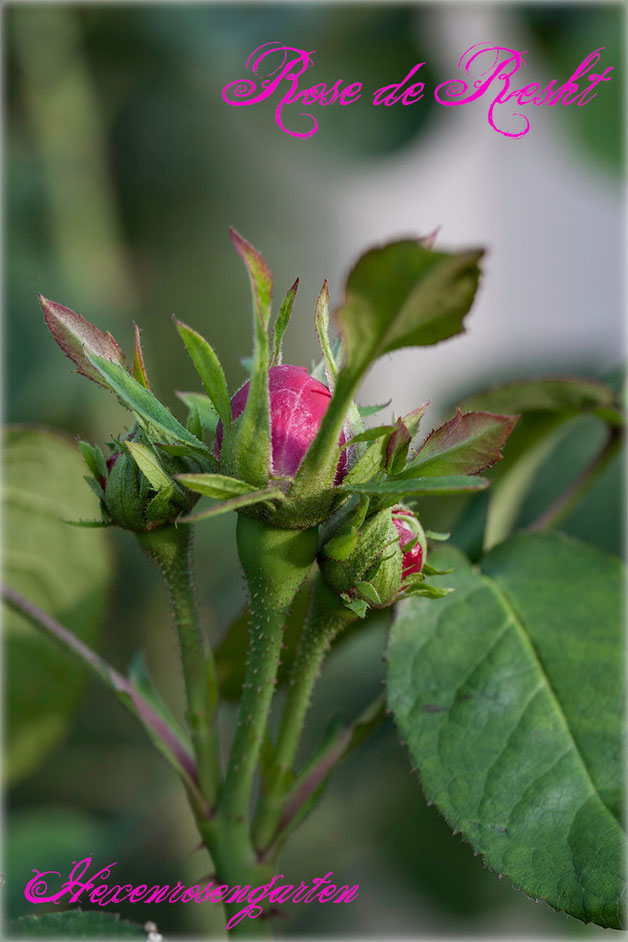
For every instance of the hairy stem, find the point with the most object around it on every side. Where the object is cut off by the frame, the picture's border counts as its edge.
(275, 562)
(571, 497)
(170, 548)
(326, 618)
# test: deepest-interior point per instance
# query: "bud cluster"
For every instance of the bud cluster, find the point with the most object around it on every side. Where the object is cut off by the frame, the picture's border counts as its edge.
(288, 449)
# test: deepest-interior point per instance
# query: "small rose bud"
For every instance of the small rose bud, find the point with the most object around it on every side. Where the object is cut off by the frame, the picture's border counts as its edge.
(409, 531)
(297, 406)
(129, 498)
(377, 570)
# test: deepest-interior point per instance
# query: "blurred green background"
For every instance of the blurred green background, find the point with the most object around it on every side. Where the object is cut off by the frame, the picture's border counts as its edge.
(123, 171)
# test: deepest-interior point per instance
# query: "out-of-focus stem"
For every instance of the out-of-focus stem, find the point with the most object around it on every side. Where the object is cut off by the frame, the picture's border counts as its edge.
(170, 548)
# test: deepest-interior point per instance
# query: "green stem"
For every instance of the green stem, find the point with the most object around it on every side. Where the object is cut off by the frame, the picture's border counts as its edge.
(171, 547)
(236, 865)
(326, 618)
(571, 497)
(275, 562)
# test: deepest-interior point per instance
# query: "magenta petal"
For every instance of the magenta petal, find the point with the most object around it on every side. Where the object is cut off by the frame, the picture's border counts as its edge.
(297, 406)
(413, 558)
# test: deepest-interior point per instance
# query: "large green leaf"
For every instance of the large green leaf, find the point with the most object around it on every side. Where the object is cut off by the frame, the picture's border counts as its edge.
(76, 924)
(65, 570)
(509, 694)
(403, 295)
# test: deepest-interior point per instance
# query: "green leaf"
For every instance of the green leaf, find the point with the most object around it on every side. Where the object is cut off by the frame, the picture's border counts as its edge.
(465, 444)
(509, 694)
(418, 487)
(139, 370)
(66, 571)
(76, 924)
(78, 339)
(218, 486)
(148, 463)
(404, 295)
(550, 394)
(209, 369)
(283, 319)
(401, 295)
(142, 401)
(201, 404)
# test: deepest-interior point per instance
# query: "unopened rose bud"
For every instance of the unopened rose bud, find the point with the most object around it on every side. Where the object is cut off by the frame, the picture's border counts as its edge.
(129, 498)
(390, 549)
(410, 532)
(297, 405)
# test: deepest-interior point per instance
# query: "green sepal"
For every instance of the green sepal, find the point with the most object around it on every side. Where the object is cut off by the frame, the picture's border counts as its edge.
(94, 459)
(265, 495)
(367, 411)
(139, 370)
(368, 592)
(157, 508)
(321, 322)
(218, 486)
(397, 447)
(87, 524)
(430, 570)
(437, 536)
(342, 544)
(202, 405)
(193, 423)
(94, 486)
(426, 590)
(246, 449)
(149, 465)
(142, 401)
(358, 606)
(210, 371)
(283, 319)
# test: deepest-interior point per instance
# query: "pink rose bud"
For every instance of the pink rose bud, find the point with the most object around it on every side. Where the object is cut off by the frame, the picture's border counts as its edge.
(412, 558)
(297, 406)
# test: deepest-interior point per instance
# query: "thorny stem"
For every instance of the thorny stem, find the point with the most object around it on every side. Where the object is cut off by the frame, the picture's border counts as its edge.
(170, 548)
(326, 618)
(570, 498)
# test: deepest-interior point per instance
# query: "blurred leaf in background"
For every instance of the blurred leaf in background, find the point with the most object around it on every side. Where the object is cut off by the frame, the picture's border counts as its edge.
(64, 570)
